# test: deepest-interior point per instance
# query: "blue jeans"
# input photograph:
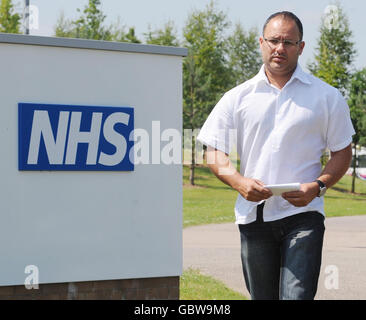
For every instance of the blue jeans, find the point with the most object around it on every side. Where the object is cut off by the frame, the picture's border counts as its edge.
(281, 259)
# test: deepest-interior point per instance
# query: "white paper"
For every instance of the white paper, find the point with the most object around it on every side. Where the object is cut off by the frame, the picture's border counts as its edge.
(278, 189)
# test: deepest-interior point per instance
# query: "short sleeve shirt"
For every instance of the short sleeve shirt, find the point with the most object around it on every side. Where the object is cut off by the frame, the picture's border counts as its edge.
(280, 135)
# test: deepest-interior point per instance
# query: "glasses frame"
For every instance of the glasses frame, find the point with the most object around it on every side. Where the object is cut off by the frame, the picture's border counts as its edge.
(286, 43)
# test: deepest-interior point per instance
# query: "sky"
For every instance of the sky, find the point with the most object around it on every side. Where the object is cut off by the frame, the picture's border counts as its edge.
(142, 13)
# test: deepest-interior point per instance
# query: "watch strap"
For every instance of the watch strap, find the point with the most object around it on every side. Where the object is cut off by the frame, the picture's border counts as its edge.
(320, 183)
(322, 187)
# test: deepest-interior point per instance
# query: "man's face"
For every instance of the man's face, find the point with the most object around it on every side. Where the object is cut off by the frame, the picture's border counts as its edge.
(281, 58)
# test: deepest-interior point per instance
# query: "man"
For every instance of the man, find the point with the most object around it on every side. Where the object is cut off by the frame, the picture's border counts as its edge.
(284, 119)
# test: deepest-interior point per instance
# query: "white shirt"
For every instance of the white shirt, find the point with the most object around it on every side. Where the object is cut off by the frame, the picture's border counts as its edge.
(281, 135)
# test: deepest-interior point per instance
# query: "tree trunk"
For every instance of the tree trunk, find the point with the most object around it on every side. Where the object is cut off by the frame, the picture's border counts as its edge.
(193, 161)
(354, 169)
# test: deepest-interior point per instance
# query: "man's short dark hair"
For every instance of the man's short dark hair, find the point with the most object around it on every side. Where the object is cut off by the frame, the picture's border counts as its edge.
(286, 15)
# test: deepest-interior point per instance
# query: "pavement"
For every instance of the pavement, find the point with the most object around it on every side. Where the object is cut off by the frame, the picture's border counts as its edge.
(215, 250)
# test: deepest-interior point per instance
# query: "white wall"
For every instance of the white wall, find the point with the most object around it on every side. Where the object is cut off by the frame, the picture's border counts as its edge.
(80, 226)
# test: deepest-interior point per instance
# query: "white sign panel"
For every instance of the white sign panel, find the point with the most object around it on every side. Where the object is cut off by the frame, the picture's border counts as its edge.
(80, 225)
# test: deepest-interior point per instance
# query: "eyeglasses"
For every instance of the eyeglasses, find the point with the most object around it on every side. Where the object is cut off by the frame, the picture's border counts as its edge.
(287, 43)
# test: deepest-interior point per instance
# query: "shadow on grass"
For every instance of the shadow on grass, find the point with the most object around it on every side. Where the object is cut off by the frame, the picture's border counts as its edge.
(207, 186)
(203, 178)
(200, 173)
(347, 191)
(223, 187)
(344, 198)
(197, 177)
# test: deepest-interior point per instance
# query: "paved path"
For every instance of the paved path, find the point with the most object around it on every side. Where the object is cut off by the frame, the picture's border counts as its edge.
(215, 250)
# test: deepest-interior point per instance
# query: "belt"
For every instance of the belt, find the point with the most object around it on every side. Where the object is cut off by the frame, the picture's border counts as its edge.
(260, 212)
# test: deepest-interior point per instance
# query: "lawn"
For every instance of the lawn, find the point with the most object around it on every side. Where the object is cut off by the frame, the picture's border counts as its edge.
(211, 201)
(196, 286)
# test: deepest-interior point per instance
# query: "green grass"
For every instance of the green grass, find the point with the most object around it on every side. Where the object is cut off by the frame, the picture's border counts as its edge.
(211, 201)
(339, 201)
(196, 286)
(346, 182)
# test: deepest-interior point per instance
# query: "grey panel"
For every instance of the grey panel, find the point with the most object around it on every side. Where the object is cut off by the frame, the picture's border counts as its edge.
(91, 44)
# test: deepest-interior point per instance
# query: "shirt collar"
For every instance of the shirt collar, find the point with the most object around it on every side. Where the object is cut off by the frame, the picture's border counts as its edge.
(298, 74)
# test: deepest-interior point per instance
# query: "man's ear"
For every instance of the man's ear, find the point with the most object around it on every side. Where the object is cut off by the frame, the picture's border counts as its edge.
(261, 40)
(301, 46)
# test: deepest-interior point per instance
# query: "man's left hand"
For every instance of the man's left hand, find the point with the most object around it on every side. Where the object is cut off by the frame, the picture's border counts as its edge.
(306, 194)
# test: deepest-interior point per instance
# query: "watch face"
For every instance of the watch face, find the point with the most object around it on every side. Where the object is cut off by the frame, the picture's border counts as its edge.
(322, 191)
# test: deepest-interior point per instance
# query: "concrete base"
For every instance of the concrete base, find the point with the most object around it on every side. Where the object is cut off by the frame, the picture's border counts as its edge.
(166, 288)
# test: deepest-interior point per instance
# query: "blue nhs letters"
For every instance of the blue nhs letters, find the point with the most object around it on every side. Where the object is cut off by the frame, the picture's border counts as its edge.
(68, 137)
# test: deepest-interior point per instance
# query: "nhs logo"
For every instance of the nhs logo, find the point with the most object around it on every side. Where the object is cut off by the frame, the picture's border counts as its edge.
(68, 137)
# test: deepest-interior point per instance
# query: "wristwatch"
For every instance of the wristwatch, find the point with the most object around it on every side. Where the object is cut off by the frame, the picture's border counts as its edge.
(322, 188)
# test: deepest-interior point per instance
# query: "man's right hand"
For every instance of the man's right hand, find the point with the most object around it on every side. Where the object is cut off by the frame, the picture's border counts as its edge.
(221, 166)
(253, 189)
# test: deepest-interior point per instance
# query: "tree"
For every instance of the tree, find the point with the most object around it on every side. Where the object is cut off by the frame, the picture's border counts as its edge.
(64, 28)
(9, 20)
(205, 71)
(118, 33)
(244, 56)
(130, 36)
(88, 26)
(196, 87)
(335, 51)
(165, 37)
(357, 103)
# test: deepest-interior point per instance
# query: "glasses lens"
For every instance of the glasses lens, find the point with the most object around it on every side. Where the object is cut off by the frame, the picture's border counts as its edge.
(276, 42)
(288, 43)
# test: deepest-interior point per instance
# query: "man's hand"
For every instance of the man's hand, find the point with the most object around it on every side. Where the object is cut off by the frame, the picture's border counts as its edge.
(221, 166)
(306, 194)
(253, 189)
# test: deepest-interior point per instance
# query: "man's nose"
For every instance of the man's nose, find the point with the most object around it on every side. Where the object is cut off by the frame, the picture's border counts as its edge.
(280, 48)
